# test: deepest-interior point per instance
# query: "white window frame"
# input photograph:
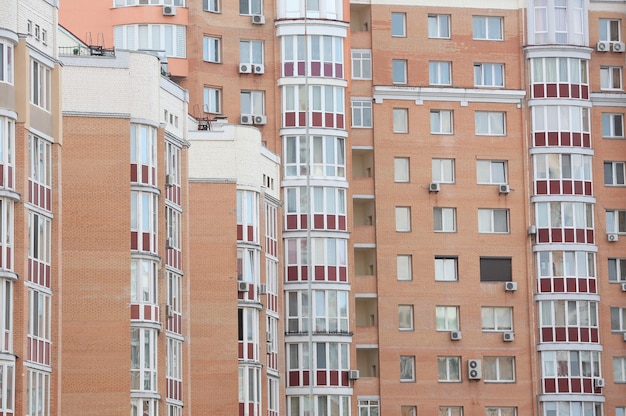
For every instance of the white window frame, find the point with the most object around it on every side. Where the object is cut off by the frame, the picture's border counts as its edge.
(449, 369)
(212, 100)
(616, 221)
(617, 269)
(441, 122)
(450, 411)
(6, 62)
(123, 3)
(501, 364)
(618, 319)
(407, 369)
(212, 49)
(398, 24)
(446, 269)
(402, 169)
(611, 78)
(619, 370)
(39, 316)
(399, 71)
(616, 173)
(212, 6)
(405, 318)
(252, 102)
(170, 38)
(361, 64)
(487, 123)
(607, 28)
(500, 411)
(296, 153)
(401, 120)
(7, 387)
(444, 219)
(174, 361)
(251, 52)
(496, 318)
(485, 22)
(143, 362)
(611, 122)
(488, 75)
(491, 167)
(408, 410)
(143, 280)
(447, 318)
(362, 117)
(488, 218)
(443, 171)
(40, 85)
(404, 267)
(38, 388)
(253, 7)
(368, 407)
(40, 154)
(439, 26)
(39, 237)
(403, 219)
(437, 71)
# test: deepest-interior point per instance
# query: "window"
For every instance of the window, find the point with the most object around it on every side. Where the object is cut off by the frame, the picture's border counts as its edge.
(616, 221)
(361, 64)
(407, 368)
(39, 237)
(443, 170)
(143, 362)
(450, 411)
(403, 219)
(441, 122)
(487, 28)
(405, 317)
(40, 85)
(619, 369)
(6, 63)
(368, 408)
(40, 161)
(362, 113)
(499, 369)
(449, 369)
(447, 318)
(496, 319)
(171, 38)
(617, 270)
(445, 219)
(212, 100)
(143, 281)
(252, 102)
(398, 24)
(618, 319)
(38, 391)
(121, 3)
(398, 71)
(174, 354)
(408, 411)
(446, 269)
(558, 21)
(489, 75)
(614, 173)
(211, 6)
(401, 169)
(495, 269)
(609, 30)
(39, 315)
(619, 411)
(491, 172)
(438, 26)
(611, 78)
(490, 123)
(613, 126)
(400, 120)
(493, 220)
(251, 52)
(501, 411)
(440, 73)
(326, 152)
(404, 267)
(250, 7)
(7, 382)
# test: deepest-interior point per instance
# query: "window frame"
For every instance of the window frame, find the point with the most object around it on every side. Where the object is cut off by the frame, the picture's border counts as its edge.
(485, 20)
(144, 359)
(400, 120)
(130, 37)
(248, 51)
(616, 221)
(439, 219)
(482, 70)
(450, 410)
(617, 269)
(605, 31)
(398, 175)
(614, 120)
(492, 313)
(442, 122)
(491, 164)
(211, 6)
(249, 100)
(611, 78)
(399, 65)
(214, 97)
(443, 168)
(40, 85)
(406, 315)
(361, 60)
(362, 107)
(7, 67)
(499, 361)
(491, 131)
(444, 265)
(451, 363)
(493, 213)
(403, 213)
(407, 365)
(435, 71)
(619, 370)
(254, 7)
(398, 27)
(447, 318)
(615, 177)
(618, 319)
(407, 259)
(435, 28)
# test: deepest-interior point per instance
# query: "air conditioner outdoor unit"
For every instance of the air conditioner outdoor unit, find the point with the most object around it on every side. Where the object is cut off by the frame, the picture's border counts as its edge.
(262, 289)
(258, 68)
(169, 243)
(246, 119)
(619, 46)
(261, 120)
(245, 68)
(169, 180)
(169, 11)
(168, 311)
(433, 187)
(623, 287)
(353, 374)
(508, 336)
(598, 382)
(532, 230)
(258, 19)
(603, 46)
(474, 370)
(242, 286)
(504, 189)
(612, 237)
(510, 286)
(455, 335)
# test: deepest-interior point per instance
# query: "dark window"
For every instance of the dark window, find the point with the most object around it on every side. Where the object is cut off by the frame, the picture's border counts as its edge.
(495, 269)
(240, 324)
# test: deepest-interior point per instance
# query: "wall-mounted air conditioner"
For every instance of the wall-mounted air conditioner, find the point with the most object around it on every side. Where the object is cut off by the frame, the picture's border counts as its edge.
(603, 46)
(474, 369)
(434, 187)
(169, 11)
(258, 19)
(456, 335)
(510, 286)
(508, 336)
(243, 286)
(618, 47)
(504, 189)
(612, 237)
(245, 68)
(258, 69)
(260, 120)
(246, 119)
(353, 374)
(262, 289)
